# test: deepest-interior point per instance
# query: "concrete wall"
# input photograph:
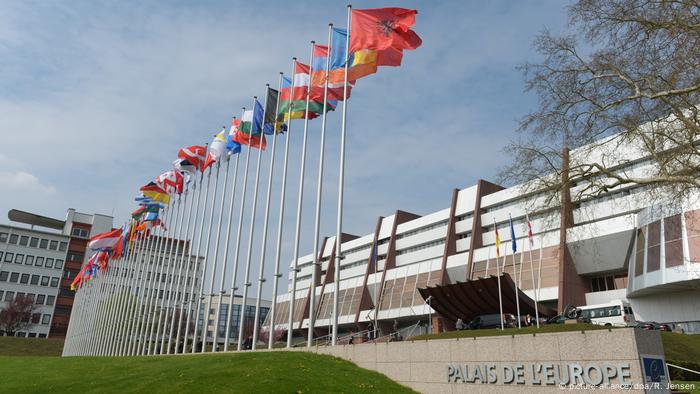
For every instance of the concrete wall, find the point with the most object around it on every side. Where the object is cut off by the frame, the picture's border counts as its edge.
(423, 365)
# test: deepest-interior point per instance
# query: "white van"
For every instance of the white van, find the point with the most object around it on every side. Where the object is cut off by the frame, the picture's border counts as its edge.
(614, 313)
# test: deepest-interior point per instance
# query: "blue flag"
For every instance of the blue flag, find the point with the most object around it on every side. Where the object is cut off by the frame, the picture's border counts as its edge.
(514, 244)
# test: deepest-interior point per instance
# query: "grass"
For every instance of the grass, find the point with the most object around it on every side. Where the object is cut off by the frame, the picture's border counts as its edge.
(14, 346)
(695, 387)
(261, 372)
(681, 347)
(511, 331)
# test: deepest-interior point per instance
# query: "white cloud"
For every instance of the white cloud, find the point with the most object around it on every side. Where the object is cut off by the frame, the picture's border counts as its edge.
(21, 181)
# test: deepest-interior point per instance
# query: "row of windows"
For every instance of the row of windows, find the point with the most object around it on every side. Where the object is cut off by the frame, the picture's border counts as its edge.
(34, 242)
(422, 229)
(36, 261)
(39, 299)
(25, 334)
(420, 247)
(80, 232)
(357, 249)
(353, 265)
(26, 279)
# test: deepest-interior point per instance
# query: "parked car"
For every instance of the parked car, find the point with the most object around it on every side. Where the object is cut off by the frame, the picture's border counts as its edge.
(492, 321)
(652, 325)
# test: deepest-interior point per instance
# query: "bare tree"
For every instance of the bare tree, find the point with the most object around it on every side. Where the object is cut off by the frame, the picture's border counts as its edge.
(622, 84)
(17, 315)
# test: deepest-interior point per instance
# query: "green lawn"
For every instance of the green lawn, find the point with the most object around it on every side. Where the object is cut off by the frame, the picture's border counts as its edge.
(511, 331)
(681, 347)
(13, 346)
(263, 372)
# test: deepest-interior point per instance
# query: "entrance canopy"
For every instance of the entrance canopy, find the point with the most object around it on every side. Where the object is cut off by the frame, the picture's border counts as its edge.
(466, 300)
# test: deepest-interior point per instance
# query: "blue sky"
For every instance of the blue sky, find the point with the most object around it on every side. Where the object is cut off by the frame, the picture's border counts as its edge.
(97, 97)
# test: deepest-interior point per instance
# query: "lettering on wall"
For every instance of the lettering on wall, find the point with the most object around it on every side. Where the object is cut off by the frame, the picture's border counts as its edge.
(540, 374)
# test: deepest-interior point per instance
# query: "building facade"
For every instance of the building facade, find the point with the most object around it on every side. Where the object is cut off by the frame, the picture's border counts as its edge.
(235, 317)
(40, 262)
(624, 243)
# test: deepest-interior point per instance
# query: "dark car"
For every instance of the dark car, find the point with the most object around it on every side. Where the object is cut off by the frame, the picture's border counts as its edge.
(560, 319)
(492, 321)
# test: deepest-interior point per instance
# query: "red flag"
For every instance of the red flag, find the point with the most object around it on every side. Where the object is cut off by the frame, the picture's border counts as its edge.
(383, 28)
(194, 154)
(247, 139)
(171, 181)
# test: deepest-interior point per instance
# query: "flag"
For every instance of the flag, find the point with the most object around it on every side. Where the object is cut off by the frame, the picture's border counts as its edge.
(383, 28)
(195, 155)
(513, 243)
(216, 149)
(106, 240)
(252, 120)
(296, 98)
(155, 193)
(529, 230)
(272, 125)
(498, 239)
(252, 140)
(171, 182)
(78, 280)
(185, 165)
(336, 71)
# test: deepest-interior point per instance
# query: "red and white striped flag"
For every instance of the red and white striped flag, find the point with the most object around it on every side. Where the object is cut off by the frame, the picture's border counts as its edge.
(529, 231)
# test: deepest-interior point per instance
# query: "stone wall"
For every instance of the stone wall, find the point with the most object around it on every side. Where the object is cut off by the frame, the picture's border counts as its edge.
(424, 365)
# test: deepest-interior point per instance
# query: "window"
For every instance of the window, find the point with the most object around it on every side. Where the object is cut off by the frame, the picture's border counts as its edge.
(2, 294)
(40, 299)
(9, 295)
(29, 260)
(3, 237)
(34, 242)
(63, 246)
(31, 296)
(9, 257)
(19, 258)
(36, 317)
(13, 239)
(42, 335)
(44, 280)
(14, 277)
(54, 282)
(58, 264)
(32, 335)
(53, 245)
(23, 240)
(78, 257)
(39, 261)
(50, 300)
(44, 243)
(24, 279)
(0, 256)
(19, 295)
(49, 263)
(46, 319)
(3, 276)
(79, 232)
(35, 280)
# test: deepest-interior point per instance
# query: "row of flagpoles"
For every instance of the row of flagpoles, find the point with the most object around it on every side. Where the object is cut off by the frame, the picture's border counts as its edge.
(153, 272)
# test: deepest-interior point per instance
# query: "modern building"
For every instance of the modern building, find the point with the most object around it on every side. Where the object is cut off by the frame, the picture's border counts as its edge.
(39, 258)
(626, 243)
(235, 317)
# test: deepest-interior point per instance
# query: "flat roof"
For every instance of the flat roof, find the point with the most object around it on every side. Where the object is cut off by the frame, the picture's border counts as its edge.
(33, 219)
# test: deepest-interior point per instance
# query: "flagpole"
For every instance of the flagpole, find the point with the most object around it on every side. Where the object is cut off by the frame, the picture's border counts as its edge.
(191, 267)
(249, 254)
(239, 229)
(170, 304)
(149, 350)
(280, 225)
(205, 319)
(514, 248)
(539, 275)
(129, 313)
(194, 280)
(498, 273)
(319, 190)
(132, 312)
(123, 302)
(176, 301)
(147, 249)
(532, 269)
(263, 247)
(297, 225)
(341, 181)
(214, 343)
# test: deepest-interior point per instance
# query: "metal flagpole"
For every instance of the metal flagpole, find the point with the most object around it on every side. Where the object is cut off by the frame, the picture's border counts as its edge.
(319, 190)
(297, 232)
(129, 312)
(147, 248)
(189, 263)
(194, 280)
(206, 258)
(263, 247)
(201, 281)
(539, 275)
(149, 280)
(214, 343)
(498, 274)
(123, 304)
(515, 272)
(341, 182)
(164, 304)
(532, 270)
(236, 254)
(152, 311)
(280, 225)
(182, 263)
(249, 253)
